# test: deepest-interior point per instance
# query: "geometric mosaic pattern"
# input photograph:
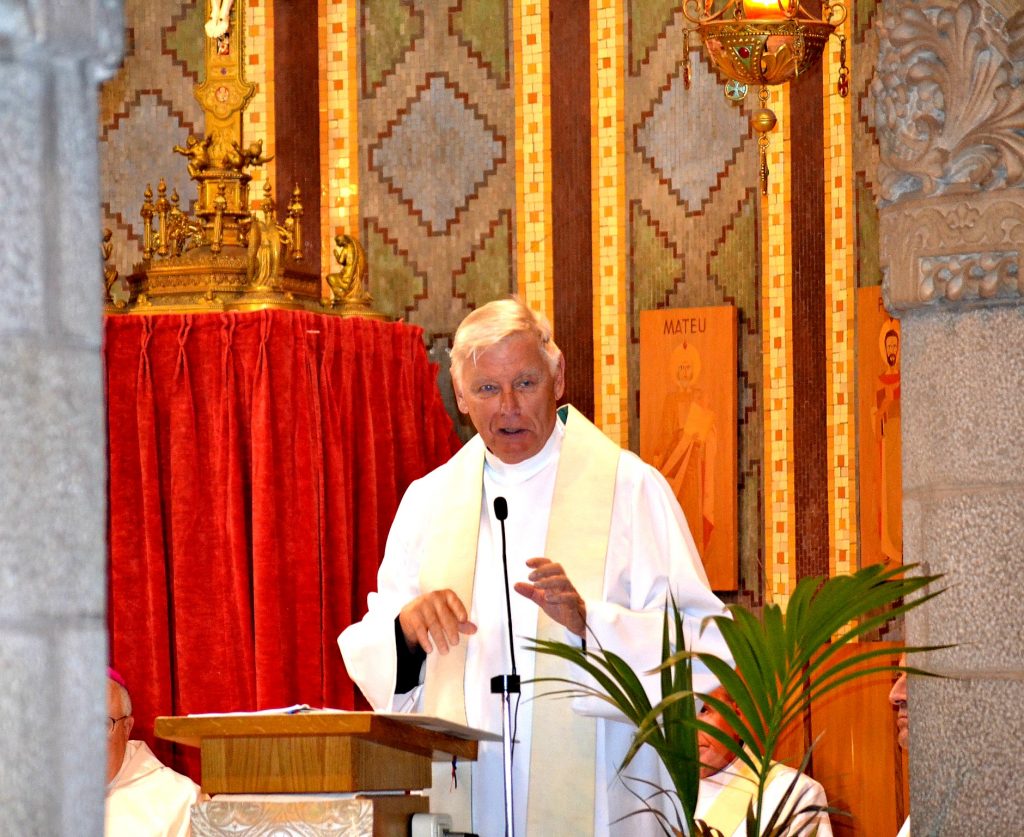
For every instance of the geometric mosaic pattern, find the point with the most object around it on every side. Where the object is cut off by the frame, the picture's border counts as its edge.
(677, 125)
(531, 28)
(611, 309)
(841, 290)
(691, 172)
(145, 109)
(139, 133)
(437, 176)
(437, 183)
(777, 357)
(436, 180)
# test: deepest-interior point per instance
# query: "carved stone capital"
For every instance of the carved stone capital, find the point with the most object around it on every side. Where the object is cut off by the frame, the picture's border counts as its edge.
(962, 250)
(87, 30)
(946, 100)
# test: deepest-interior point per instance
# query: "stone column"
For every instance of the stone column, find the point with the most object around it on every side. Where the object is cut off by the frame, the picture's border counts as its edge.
(53, 636)
(947, 105)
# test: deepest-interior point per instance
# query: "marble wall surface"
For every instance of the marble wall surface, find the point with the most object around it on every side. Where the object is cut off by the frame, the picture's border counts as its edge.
(52, 471)
(946, 104)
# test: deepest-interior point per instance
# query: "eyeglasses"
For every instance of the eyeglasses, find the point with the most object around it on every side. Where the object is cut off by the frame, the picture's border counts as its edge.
(112, 722)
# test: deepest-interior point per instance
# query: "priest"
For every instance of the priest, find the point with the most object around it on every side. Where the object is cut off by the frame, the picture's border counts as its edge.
(144, 797)
(596, 545)
(728, 787)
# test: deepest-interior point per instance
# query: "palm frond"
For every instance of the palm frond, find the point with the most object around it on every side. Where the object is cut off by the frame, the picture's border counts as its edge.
(783, 662)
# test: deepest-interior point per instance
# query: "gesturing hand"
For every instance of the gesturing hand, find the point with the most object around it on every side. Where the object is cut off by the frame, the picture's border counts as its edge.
(439, 616)
(553, 593)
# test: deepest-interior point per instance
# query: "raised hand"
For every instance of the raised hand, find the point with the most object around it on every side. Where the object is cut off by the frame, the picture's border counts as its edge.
(551, 590)
(435, 620)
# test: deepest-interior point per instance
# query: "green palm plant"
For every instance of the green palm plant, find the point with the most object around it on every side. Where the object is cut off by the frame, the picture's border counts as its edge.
(786, 660)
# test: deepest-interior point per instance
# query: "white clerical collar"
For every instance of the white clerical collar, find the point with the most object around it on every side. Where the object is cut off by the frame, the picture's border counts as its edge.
(506, 474)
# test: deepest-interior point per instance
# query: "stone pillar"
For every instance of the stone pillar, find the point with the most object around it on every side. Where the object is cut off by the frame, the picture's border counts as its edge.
(947, 105)
(52, 442)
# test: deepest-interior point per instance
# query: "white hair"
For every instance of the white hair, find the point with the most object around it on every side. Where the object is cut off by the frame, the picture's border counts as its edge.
(125, 698)
(492, 323)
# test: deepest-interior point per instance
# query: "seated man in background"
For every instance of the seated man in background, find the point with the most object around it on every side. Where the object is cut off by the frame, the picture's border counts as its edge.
(728, 786)
(144, 798)
(898, 699)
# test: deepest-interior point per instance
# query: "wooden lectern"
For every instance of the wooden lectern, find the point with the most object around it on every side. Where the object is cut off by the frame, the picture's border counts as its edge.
(325, 752)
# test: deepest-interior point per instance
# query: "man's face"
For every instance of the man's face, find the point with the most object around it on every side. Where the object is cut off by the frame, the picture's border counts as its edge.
(898, 699)
(713, 754)
(892, 348)
(117, 740)
(510, 396)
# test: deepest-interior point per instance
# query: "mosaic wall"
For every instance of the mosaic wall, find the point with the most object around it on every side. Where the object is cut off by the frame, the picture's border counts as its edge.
(439, 110)
(863, 54)
(437, 159)
(691, 175)
(145, 110)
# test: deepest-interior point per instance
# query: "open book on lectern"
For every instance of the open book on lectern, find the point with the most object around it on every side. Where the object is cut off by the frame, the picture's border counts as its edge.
(429, 722)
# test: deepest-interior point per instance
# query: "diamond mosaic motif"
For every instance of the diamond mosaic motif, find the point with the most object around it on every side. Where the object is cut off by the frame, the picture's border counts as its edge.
(138, 151)
(437, 180)
(184, 40)
(690, 137)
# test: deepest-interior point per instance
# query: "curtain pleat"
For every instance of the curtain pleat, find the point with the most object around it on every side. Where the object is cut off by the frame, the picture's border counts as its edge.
(256, 462)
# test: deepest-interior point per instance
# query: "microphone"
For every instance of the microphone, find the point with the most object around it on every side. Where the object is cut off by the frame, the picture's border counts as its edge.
(507, 684)
(501, 512)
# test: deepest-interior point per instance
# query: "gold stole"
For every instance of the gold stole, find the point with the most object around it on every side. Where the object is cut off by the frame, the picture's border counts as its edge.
(578, 527)
(729, 810)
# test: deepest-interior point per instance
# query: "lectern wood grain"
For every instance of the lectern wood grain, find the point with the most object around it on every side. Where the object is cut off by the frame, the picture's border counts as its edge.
(319, 752)
(392, 814)
(309, 764)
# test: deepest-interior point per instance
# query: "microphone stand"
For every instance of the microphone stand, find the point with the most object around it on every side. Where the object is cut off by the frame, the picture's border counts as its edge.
(506, 684)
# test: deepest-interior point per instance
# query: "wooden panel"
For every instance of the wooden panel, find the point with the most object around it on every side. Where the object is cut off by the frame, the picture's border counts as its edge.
(878, 427)
(404, 732)
(688, 423)
(308, 764)
(857, 758)
(391, 814)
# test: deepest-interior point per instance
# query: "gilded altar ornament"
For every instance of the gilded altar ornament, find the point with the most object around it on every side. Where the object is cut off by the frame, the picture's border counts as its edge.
(764, 42)
(349, 296)
(198, 153)
(114, 292)
(226, 255)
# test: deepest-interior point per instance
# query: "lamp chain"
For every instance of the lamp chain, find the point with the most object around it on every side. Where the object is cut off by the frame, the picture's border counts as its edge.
(764, 121)
(843, 85)
(686, 59)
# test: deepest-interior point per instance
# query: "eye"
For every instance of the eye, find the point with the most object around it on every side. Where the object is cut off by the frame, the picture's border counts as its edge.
(526, 383)
(486, 389)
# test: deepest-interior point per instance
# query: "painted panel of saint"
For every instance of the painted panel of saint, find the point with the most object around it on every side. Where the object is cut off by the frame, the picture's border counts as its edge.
(880, 473)
(688, 423)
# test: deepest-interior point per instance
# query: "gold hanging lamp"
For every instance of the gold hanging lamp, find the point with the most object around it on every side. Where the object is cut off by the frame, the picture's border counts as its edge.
(763, 42)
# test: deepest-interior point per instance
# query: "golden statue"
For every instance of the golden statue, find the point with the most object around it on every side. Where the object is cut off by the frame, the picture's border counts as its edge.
(347, 285)
(198, 153)
(241, 158)
(113, 296)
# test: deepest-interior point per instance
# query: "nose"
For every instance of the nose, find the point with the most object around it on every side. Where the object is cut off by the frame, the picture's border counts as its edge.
(509, 403)
(898, 693)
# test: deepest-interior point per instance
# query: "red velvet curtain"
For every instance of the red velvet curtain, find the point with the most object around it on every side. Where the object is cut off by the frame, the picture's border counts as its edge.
(256, 462)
